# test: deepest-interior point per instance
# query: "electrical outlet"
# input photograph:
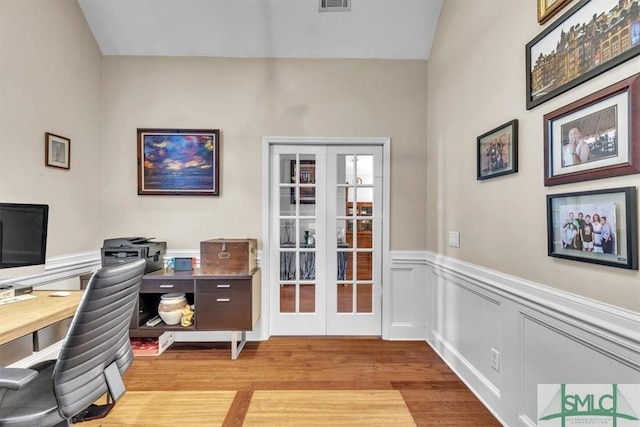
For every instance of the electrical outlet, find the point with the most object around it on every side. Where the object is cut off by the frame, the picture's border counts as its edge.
(454, 239)
(495, 359)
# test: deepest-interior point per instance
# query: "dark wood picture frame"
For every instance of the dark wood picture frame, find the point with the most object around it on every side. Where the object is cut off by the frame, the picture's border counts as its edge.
(608, 123)
(179, 162)
(57, 151)
(546, 11)
(587, 47)
(570, 214)
(307, 179)
(497, 151)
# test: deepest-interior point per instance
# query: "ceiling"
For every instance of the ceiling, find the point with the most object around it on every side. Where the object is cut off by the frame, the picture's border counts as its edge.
(379, 29)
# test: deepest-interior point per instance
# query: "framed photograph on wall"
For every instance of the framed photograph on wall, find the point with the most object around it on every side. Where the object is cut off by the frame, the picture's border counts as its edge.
(179, 162)
(595, 137)
(57, 151)
(498, 151)
(548, 8)
(598, 226)
(589, 39)
(306, 177)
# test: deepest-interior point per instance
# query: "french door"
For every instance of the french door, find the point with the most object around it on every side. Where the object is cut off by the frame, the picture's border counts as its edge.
(326, 239)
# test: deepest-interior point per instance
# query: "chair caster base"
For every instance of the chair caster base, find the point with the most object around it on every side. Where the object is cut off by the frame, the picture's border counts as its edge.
(93, 412)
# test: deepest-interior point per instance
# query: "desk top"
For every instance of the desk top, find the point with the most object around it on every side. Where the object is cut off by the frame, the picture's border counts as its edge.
(24, 317)
(196, 273)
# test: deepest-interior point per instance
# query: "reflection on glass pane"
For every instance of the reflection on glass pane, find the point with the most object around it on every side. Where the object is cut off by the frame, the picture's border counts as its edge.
(307, 209)
(307, 265)
(364, 225)
(365, 266)
(341, 238)
(287, 207)
(307, 233)
(287, 298)
(349, 230)
(307, 298)
(346, 171)
(306, 171)
(287, 165)
(287, 233)
(362, 195)
(364, 297)
(287, 265)
(349, 267)
(342, 265)
(341, 201)
(364, 169)
(345, 298)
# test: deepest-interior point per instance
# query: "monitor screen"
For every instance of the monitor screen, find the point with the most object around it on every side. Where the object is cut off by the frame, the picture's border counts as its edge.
(23, 234)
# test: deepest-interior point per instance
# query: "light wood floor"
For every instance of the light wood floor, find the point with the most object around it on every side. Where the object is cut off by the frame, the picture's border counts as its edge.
(432, 392)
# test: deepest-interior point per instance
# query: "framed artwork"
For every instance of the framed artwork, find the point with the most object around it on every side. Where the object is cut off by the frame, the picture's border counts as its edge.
(498, 151)
(57, 151)
(179, 162)
(306, 177)
(595, 137)
(591, 38)
(598, 226)
(548, 8)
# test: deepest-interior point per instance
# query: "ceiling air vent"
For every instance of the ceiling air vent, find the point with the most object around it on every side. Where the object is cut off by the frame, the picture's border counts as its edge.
(335, 5)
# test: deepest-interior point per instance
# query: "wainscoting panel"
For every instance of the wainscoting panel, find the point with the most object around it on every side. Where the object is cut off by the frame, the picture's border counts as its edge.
(404, 316)
(541, 335)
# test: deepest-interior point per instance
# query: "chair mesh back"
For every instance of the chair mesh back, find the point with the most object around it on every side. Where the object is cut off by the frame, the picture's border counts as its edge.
(98, 336)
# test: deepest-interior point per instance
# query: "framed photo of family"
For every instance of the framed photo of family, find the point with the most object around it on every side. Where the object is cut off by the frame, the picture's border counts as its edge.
(589, 39)
(595, 137)
(598, 227)
(498, 151)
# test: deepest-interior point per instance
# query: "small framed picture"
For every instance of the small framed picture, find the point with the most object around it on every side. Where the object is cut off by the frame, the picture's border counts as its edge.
(548, 8)
(57, 151)
(305, 177)
(498, 151)
(598, 227)
(595, 137)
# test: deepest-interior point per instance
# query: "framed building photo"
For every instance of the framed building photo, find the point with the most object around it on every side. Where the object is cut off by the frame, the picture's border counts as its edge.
(57, 151)
(595, 137)
(548, 8)
(179, 162)
(589, 39)
(598, 226)
(305, 175)
(498, 151)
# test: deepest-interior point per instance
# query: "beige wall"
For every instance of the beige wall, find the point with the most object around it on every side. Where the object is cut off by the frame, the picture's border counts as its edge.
(50, 81)
(477, 82)
(248, 99)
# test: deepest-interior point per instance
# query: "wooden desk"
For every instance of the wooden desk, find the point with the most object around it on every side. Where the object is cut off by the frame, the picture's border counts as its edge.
(24, 317)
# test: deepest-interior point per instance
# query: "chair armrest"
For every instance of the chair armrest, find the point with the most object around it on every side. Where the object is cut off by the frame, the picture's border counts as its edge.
(16, 378)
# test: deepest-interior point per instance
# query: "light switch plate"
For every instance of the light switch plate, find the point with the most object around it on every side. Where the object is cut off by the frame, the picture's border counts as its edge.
(454, 239)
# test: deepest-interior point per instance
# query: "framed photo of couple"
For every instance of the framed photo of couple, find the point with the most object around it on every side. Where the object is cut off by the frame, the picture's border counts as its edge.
(598, 227)
(595, 137)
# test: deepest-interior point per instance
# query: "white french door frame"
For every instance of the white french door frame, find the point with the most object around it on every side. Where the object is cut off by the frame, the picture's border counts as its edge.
(268, 142)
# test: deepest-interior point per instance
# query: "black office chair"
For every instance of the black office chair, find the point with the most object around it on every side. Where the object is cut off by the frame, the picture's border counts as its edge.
(94, 355)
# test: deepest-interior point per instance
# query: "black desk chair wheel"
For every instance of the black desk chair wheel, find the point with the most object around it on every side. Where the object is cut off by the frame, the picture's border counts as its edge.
(95, 353)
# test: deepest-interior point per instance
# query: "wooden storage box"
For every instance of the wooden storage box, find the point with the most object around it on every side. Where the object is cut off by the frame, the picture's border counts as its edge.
(229, 257)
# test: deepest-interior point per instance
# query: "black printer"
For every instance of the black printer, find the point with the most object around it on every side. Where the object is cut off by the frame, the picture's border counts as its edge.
(125, 249)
